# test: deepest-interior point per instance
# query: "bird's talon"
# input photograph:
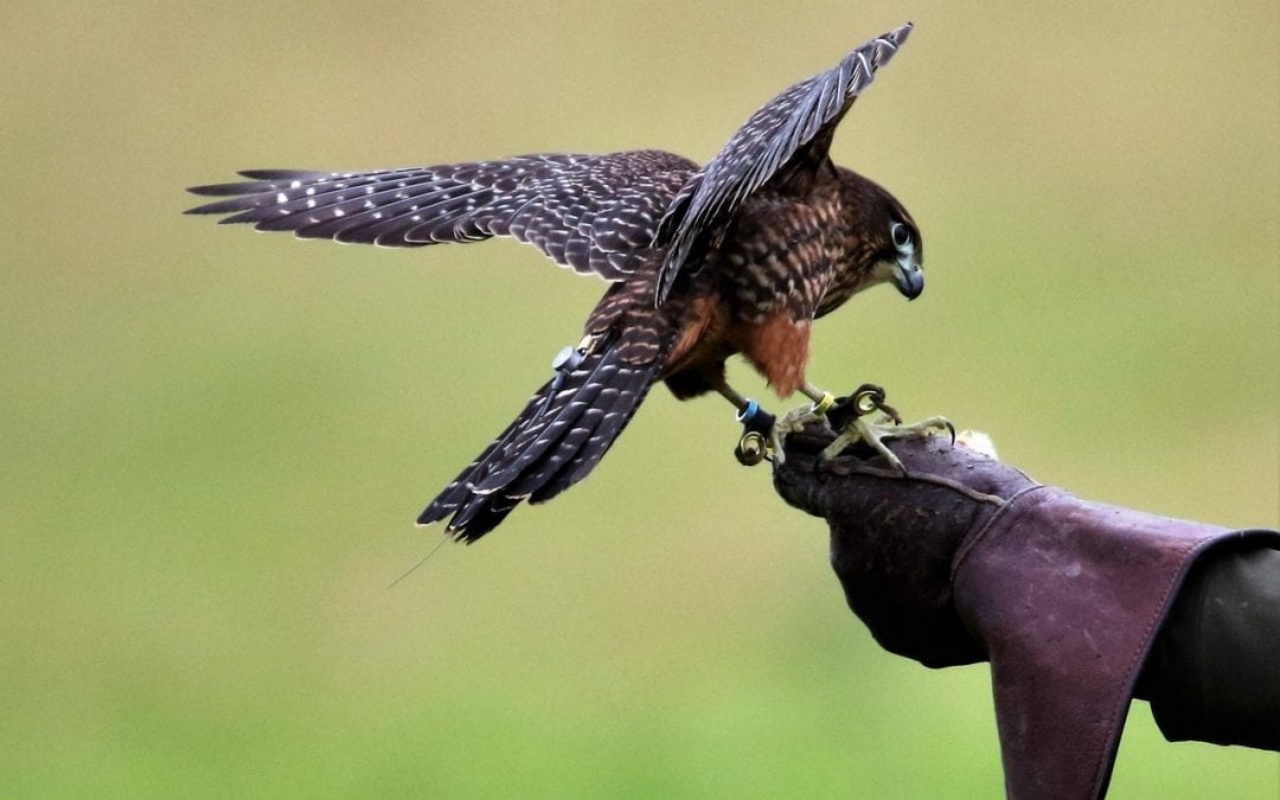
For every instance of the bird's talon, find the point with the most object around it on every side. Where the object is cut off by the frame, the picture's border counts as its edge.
(874, 435)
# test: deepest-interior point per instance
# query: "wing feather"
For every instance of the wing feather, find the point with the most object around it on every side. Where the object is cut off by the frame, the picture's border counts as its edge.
(595, 214)
(790, 134)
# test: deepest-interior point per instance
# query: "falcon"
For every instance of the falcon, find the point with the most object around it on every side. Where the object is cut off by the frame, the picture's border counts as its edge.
(736, 257)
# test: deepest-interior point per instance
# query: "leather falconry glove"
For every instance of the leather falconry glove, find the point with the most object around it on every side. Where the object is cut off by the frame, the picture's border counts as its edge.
(1075, 604)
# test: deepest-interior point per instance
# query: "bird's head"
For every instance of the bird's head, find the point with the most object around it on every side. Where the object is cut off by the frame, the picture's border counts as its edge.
(888, 243)
(900, 256)
(899, 248)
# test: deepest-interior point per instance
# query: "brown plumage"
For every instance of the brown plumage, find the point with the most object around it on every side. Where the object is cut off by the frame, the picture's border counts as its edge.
(739, 256)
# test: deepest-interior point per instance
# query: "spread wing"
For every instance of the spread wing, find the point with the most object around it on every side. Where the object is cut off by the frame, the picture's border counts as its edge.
(786, 138)
(594, 214)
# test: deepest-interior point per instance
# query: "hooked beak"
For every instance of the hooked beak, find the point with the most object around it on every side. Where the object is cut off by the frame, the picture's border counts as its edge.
(908, 276)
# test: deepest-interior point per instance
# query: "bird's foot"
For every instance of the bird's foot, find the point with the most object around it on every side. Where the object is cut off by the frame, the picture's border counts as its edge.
(850, 416)
(797, 420)
(763, 436)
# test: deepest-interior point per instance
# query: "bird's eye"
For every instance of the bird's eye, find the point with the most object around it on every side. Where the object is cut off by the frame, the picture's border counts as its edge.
(901, 236)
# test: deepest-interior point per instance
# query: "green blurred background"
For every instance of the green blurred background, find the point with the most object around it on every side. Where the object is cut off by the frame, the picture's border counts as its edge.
(215, 443)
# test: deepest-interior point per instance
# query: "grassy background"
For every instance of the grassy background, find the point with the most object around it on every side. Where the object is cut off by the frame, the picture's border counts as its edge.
(214, 443)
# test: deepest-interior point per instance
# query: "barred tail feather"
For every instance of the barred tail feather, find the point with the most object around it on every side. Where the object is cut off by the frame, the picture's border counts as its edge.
(559, 437)
(459, 489)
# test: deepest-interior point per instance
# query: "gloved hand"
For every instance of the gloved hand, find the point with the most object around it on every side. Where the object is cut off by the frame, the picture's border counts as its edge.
(966, 559)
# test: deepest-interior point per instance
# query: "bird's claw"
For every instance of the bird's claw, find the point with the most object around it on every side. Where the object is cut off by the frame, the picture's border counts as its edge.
(874, 435)
(849, 416)
(763, 436)
(759, 442)
(763, 433)
(795, 420)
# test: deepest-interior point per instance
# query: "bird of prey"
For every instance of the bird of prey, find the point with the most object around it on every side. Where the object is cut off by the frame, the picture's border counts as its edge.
(737, 256)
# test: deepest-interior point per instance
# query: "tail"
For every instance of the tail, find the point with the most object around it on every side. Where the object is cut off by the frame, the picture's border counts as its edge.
(559, 437)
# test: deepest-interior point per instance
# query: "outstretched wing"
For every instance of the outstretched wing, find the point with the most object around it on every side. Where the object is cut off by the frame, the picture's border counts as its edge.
(792, 133)
(559, 437)
(594, 214)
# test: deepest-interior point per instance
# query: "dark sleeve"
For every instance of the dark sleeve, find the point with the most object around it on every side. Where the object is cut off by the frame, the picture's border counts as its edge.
(1213, 674)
